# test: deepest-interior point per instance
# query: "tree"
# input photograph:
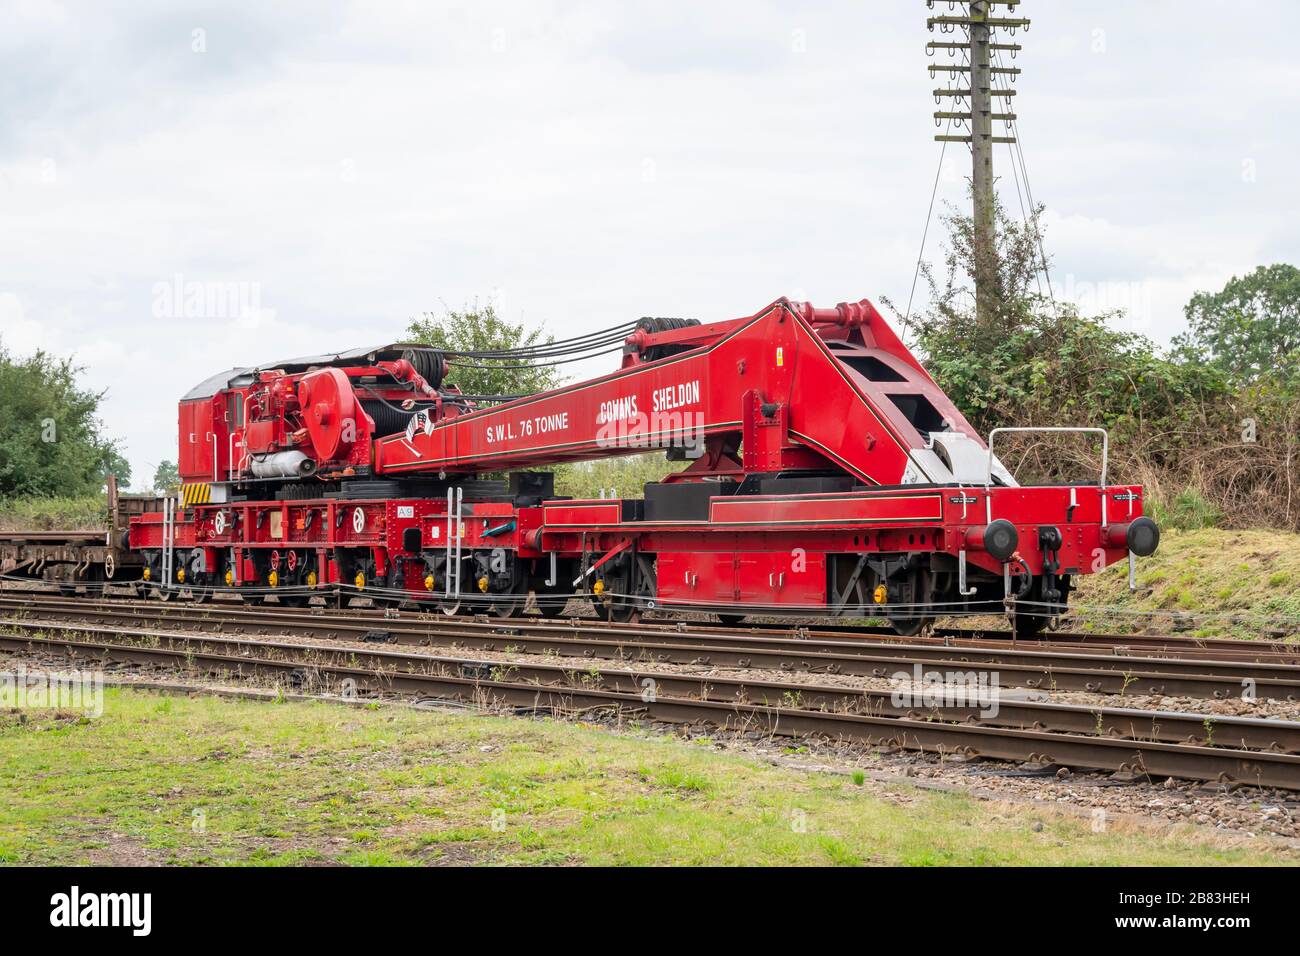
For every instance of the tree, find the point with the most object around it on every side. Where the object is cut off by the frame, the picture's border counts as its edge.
(1031, 361)
(1249, 329)
(166, 478)
(50, 434)
(1018, 261)
(479, 329)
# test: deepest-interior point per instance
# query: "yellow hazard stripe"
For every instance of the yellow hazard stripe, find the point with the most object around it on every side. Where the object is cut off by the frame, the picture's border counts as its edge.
(196, 494)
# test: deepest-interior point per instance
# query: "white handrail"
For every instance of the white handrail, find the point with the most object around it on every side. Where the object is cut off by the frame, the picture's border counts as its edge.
(1105, 460)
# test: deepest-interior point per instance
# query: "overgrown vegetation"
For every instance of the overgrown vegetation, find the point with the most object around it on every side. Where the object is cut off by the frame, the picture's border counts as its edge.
(1211, 427)
(45, 513)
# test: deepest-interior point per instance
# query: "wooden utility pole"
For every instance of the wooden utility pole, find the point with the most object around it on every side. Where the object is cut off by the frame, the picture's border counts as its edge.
(975, 19)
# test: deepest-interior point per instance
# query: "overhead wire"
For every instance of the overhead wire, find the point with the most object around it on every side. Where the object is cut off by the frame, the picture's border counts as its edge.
(575, 345)
(562, 361)
(597, 333)
(929, 216)
(1018, 156)
(1023, 214)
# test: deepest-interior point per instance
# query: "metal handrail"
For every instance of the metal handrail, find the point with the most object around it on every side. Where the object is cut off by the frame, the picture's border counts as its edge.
(1105, 459)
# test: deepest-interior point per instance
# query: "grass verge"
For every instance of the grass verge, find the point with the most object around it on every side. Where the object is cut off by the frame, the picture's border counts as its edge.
(1224, 583)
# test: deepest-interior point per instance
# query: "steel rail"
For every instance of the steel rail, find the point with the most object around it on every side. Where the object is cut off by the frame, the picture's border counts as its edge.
(1246, 733)
(1107, 748)
(1023, 666)
(1262, 651)
(1234, 650)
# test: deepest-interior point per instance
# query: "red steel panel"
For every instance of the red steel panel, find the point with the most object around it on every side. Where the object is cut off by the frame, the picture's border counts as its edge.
(582, 514)
(698, 578)
(197, 441)
(791, 578)
(817, 510)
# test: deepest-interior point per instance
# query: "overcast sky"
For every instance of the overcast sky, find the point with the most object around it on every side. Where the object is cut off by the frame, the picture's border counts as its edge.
(343, 167)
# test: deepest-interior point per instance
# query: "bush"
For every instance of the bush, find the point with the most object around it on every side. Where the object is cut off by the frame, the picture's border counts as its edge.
(88, 513)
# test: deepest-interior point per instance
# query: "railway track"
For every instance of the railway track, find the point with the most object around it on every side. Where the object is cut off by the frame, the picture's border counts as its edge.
(1165, 645)
(1034, 665)
(1154, 743)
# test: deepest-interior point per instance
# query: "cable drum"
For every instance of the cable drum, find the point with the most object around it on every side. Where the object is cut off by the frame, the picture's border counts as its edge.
(653, 324)
(388, 419)
(428, 363)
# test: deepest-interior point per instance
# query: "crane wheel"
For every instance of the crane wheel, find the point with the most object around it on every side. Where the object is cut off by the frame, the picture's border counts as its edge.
(551, 606)
(910, 626)
(624, 612)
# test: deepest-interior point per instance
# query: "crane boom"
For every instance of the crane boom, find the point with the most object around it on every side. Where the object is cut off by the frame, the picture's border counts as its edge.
(788, 388)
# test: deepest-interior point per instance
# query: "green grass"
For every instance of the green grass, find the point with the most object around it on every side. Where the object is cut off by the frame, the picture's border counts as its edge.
(1230, 584)
(1188, 510)
(208, 780)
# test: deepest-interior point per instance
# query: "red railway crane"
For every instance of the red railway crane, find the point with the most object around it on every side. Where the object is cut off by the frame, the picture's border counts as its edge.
(828, 474)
